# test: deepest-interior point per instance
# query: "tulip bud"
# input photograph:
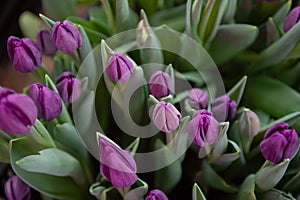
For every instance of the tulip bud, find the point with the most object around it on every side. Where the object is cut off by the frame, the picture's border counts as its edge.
(17, 112)
(223, 108)
(119, 67)
(280, 142)
(45, 42)
(249, 123)
(116, 165)
(48, 102)
(166, 117)
(203, 128)
(160, 84)
(66, 36)
(16, 189)
(291, 19)
(198, 99)
(24, 54)
(68, 86)
(156, 195)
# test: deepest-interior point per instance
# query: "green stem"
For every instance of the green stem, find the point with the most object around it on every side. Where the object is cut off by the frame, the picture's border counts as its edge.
(109, 13)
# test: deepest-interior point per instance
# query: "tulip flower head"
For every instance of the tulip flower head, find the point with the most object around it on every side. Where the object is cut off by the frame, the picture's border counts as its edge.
(69, 87)
(156, 195)
(166, 117)
(160, 84)
(280, 142)
(48, 102)
(66, 36)
(45, 42)
(223, 108)
(198, 99)
(116, 164)
(16, 189)
(17, 112)
(24, 54)
(291, 19)
(203, 128)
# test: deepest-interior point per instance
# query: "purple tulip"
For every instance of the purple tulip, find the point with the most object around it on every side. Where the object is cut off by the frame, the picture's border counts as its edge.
(45, 42)
(17, 112)
(48, 102)
(66, 36)
(223, 108)
(24, 54)
(166, 117)
(119, 67)
(280, 142)
(198, 99)
(160, 84)
(203, 128)
(156, 195)
(69, 87)
(16, 189)
(116, 165)
(291, 19)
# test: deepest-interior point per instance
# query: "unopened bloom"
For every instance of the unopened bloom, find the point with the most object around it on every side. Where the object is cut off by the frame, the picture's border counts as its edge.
(119, 67)
(16, 189)
(156, 195)
(160, 84)
(24, 54)
(198, 99)
(116, 164)
(48, 102)
(45, 42)
(291, 19)
(249, 123)
(166, 117)
(66, 36)
(69, 87)
(17, 112)
(280, 142)
(223, 108)
(203, 128)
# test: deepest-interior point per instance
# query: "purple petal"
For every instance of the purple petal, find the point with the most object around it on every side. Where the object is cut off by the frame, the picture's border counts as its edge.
(292, 138)
(276, 127)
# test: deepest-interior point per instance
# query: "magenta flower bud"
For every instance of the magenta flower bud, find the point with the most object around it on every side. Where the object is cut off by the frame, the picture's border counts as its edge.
(116, 164)
(119, 67)
(69, 87)
(48, 102)
(17, 112)
(203, 128)
(291, 19)
(280, 142)
(223, 108)
(16, 189)
(156, 195)
(45, 42)
(160, 84)
(198, 99)
(166, 117)
(66, 36)
(24, 54)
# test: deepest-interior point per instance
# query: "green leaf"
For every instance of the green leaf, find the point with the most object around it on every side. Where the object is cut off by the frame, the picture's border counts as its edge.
(222, 142)
(137, 191)
(227, 158)
(237, 91)
(29, 25)
(86, 1)
(230, 40)
(230, 12)
(47, 21)
(53, 186)
(41, 134)
(191, 76)
(122, 15)
(4, 153)
(246, 190)
(276, 195)
(133, 147)
(86, 46)
(197, 193)
(280, 15)
(293, 184)
(59, 10)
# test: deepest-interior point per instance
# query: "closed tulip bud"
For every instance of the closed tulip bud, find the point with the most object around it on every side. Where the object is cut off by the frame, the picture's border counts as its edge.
(291, 19)
(203, 128)
(223, 108)
(166, 117)
(16, 189)
(119, 67)
(17, 112)
(45, 42)
(66, 36)
(280, 142)
(198, 99)
(69, 87)
(249, 123)
(48, 102)
(160, 84)
(116, 164)
(24, 54)
(156, 195)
